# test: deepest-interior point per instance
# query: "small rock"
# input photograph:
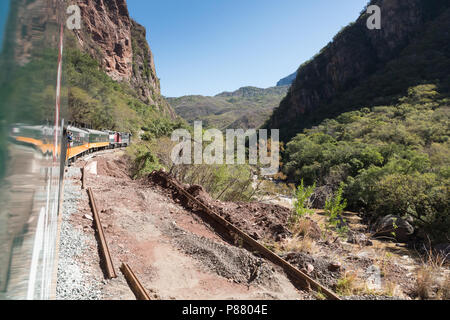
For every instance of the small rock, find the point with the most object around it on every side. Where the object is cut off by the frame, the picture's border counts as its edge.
(334, 266)
(256, 236)
(309, 268)
(89, 217)
(359, 238)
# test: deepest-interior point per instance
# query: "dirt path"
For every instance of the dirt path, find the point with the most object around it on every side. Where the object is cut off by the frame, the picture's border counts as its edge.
(174, 253)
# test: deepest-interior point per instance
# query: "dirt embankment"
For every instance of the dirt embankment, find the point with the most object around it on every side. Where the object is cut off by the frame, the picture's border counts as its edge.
(174, 253)
(353, 265)
(177, 255)
(259, 220)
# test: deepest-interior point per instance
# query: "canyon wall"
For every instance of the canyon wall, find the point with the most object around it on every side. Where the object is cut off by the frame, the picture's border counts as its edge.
(355, 54)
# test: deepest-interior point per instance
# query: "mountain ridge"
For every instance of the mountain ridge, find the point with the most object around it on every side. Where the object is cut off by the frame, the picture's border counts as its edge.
(119, 44)
(230, 109)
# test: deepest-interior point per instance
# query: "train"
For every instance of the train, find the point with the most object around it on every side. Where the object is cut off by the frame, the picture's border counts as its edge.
(81, 141)
(31, 192)
(37, 143)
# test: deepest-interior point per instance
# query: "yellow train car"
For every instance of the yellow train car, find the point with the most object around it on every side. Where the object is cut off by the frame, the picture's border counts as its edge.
(78, 142)
(98, 140)
(36, 136)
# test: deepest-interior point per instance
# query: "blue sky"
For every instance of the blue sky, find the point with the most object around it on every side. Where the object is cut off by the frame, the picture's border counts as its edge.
(209, 46)
(4, 10)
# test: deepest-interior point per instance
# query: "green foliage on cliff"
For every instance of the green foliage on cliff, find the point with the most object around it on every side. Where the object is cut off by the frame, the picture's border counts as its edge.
(96, 99)
(393, 159)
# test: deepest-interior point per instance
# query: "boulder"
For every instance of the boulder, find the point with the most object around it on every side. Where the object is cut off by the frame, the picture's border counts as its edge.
(394, 227)
(334, 266)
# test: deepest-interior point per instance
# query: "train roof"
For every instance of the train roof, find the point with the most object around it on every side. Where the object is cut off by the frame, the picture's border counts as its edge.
(75, 129)
(96, 131)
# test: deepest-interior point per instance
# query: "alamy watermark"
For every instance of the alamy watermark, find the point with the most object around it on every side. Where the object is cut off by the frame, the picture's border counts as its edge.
(374, 21)
(231, 149)
(74, 17)
(73, 21)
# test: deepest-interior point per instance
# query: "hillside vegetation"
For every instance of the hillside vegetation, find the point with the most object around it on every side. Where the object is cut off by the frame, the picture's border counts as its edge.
(245, 108)
(392, 159)
(96, 99)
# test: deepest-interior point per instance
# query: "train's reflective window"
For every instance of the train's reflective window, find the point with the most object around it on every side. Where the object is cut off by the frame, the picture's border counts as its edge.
(31, 122)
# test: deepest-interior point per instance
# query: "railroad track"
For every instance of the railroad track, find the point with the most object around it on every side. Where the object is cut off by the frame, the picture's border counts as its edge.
(298, 277)
(106, 256)
(134, 283)
(304, 281)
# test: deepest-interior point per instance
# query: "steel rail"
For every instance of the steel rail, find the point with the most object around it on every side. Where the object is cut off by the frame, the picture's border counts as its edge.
(111, 274)
(304, 280)
(133, 282)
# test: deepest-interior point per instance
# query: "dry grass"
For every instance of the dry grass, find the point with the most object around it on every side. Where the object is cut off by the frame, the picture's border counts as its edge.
(304, 228)
(349, 285)
(424, 282)
(391, 289)
(444, 291)
(305, 245)
(383, 261)
(296, 244)
(305, 232)
(430, 283)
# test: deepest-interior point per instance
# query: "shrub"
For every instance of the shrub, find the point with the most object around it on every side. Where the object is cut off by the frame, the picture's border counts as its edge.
(393, 159)
(143, 159)
(334, 208)
(302, 204)
(222, 182)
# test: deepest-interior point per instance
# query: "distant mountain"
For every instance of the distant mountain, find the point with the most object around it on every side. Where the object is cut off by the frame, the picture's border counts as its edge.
(247, 107)
(288, 80)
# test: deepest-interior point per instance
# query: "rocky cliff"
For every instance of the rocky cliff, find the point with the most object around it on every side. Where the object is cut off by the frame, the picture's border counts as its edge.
(30, 25)
(287, 81)
(355, 55)
(119, 44)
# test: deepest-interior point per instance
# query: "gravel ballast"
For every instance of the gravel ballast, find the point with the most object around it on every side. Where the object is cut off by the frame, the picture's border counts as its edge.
(75, 282)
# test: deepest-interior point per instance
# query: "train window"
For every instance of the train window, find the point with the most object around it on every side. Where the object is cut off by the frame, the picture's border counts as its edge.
(30, 145)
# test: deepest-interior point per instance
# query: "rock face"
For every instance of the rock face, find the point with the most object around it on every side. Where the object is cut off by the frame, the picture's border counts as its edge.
(38, 21)
(394, 227)
(353, 55)
(288, 80)
(119, 44)
(106, 34)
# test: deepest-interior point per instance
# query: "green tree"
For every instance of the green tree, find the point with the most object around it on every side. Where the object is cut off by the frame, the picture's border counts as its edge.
(302, 203)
